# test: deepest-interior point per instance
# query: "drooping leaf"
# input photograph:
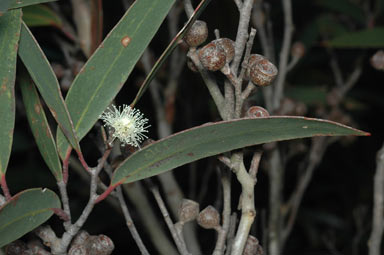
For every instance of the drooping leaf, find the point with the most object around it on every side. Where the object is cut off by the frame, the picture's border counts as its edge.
(22, 3)
(108, 68)
(24, 212)
(345, 7)
(367, 38)
(40, 15)
(9, 36)
(212, 139)
(169, 50)
(46, 81)
(40, 127)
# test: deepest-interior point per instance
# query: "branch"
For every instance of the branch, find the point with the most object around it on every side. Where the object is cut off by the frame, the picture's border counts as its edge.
(284, 53)
(376, 236)
(242, 33)
(222, 235)
(248, 211)
(179, 243)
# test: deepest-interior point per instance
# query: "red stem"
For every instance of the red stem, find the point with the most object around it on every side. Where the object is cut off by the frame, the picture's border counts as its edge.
(5, 189)
(65, 165)
(108, 191)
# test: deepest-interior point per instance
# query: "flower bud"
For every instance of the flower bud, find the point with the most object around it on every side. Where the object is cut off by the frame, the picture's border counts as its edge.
(209, 218)
(188, 210)
(212, 57)
(197, 34)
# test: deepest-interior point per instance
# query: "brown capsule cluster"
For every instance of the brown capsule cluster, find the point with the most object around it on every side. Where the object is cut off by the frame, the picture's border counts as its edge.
(209, 218)
(84, 243)
(217, 53)
(188, 210)
(377, 60)
(261, 71)
(197, 34)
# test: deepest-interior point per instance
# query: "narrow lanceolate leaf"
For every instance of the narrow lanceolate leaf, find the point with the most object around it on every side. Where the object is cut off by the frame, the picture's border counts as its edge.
(40, 15)
(23, 3)
(212, 139)
(46, 81)
(367, 38)
(9, 37)
(169, 50)
(106, 71)
(24, 212)
(40, 128)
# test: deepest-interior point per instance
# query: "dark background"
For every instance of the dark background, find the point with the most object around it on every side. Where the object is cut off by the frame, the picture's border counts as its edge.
(337, 207)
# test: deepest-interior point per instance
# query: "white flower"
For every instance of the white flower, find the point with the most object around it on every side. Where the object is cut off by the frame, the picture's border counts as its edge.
(128, 125)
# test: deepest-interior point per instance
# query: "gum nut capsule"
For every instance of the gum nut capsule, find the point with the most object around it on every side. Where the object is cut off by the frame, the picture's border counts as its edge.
(229, 47)
(188, 210)
(252, 60)
(257, 112)
(262, 73)
(212, 57)
(197, 34)
(209, 218)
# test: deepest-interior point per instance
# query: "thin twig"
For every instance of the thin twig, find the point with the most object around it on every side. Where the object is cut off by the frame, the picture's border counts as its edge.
(129, 222)
(231, 233)
(222, 236)
(74, 228)
(188, 8)
(209, 82)
(376, 236)
(242, 33)
(65, 201)
(284, 53)
(179, 243)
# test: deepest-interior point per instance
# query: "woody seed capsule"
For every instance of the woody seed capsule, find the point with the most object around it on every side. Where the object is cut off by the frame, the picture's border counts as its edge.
(197, 34)
(209, 218)
(212, 57)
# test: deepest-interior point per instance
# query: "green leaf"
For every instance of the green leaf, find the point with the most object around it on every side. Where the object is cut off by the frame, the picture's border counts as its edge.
(346, 7)
(9, 37)
(367, 38)
(40, 127)
(40, 15)
(106, 71)
(4, 5)
(23, 3)
(169, 50)
(24, 212)
(215, 138)
(329, 26)
(46, 81)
